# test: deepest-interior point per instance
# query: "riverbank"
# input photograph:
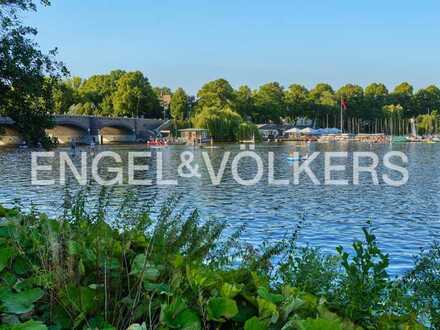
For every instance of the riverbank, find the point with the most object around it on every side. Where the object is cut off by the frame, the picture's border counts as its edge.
(78, 271)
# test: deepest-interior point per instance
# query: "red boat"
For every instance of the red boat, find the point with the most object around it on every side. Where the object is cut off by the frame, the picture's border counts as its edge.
(157, 143)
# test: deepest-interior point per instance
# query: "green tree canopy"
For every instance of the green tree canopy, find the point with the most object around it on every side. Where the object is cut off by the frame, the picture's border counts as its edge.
(269, 103)
(297, 99)
(99, 89)
(427, 100)
(323, 100)
(376, 97)
(244, 102)
(134, 96)
(403, 95)
(179, 106)
(217, 93)
(64, 96)
(27, 75)
(354, 96)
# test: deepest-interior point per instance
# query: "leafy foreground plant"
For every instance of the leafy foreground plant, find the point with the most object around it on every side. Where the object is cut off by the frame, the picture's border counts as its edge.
(87, 270)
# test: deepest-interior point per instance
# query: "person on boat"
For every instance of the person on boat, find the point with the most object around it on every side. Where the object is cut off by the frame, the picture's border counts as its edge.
(72, 147)
(93, 146)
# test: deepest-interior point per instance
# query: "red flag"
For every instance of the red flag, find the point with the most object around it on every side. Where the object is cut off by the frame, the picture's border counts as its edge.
(344, 104)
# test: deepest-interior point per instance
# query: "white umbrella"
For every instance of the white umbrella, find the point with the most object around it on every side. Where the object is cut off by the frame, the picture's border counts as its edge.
(308, 131)
(293, 131)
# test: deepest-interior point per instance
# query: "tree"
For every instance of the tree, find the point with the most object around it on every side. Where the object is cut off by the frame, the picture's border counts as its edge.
(64, 96)
(160, 91)
(27, 75)
(99, 89)
(180, 106)
(323, 100)
(393, 113)
(427, 100)
(244, 103)
(298, 101)
(218, 94)
(74, 83)
(135, 97)
(269, 103)
(163, 94)
(403, 95)
(354, 96)
(428, 123)
(376, 97)
(83, 109)
(222, 124)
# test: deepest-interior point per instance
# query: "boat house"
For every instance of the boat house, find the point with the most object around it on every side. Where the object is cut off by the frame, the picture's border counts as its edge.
(194, 135)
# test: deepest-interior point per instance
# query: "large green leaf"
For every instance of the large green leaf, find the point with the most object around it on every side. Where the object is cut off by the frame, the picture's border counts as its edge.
(20, 266)
(230, 290)
(188, 320)
(318, 324)
(22, 302)
(178, 316)
(265, 294)
(81, 299)
(267, 309)
(255, 324)
(221, 308)
(141, 267)
(292, 304)
(29, 325)
(5, 255)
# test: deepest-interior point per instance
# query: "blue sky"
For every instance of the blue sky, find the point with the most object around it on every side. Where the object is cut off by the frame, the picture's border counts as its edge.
(187, 43)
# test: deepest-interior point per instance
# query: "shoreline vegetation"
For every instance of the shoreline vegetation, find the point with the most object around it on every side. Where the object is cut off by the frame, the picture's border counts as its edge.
(126, 269)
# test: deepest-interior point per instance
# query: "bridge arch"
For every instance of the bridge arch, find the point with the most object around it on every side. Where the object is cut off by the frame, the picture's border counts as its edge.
(116, 133)
(69, 131)
(9, 135)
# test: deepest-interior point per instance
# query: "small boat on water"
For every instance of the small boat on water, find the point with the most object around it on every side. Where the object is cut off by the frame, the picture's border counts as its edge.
(291, 158)
(398, 139)
(157, 144)
(423, 139)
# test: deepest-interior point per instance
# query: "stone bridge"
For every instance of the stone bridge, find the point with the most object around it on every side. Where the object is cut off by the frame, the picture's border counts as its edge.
(85, 129)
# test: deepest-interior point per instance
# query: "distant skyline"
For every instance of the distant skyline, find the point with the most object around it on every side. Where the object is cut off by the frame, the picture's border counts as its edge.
(188, 43)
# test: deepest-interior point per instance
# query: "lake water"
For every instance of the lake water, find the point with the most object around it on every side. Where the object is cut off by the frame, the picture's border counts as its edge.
(406, 218)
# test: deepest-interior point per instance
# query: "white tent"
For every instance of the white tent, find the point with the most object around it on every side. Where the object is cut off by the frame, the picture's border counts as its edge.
(293, 131)
(308, 131)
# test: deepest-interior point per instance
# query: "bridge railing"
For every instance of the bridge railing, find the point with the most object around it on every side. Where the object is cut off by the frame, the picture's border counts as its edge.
(107, 118)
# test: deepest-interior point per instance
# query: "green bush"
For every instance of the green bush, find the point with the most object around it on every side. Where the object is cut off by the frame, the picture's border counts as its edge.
(424, 283)
(87, 270)
(248, 131)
